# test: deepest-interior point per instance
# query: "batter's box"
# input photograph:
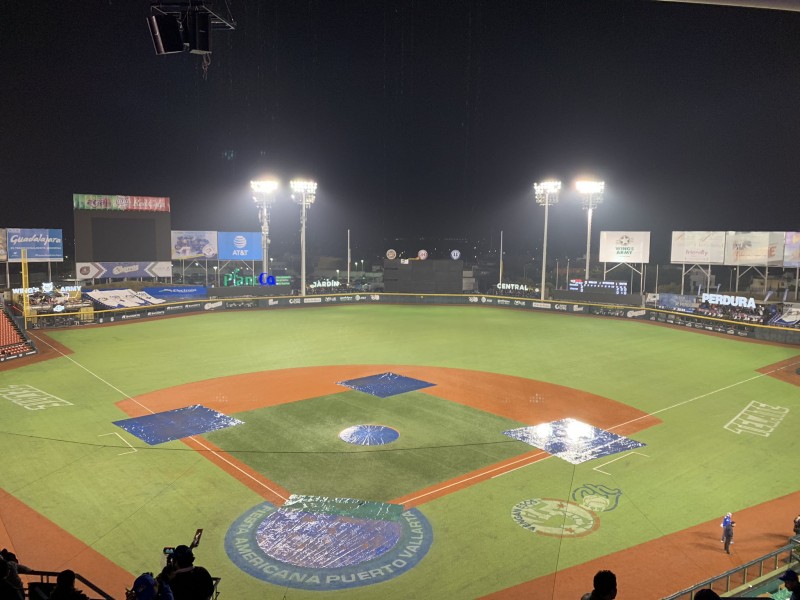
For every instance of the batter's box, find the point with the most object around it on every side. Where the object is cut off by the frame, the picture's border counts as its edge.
(574, 441)
(176, 424)
(385, 384)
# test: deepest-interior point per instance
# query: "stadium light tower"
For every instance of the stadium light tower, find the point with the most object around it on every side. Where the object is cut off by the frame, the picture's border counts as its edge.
(546, 193)
(263, 196)
(303, 193)
(592, 196)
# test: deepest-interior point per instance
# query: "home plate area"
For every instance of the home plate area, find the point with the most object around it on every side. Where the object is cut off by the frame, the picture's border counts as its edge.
(316, 543)
(322, 543)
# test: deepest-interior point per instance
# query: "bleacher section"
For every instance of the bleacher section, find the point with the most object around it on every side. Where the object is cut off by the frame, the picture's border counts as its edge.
(12, 343)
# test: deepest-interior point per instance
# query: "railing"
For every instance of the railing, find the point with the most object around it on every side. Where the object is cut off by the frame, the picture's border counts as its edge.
(40, 588)
(743, 575)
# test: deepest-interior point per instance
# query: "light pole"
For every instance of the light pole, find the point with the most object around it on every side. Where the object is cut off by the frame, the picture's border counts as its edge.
(263, 196)
(592, 196)
(556, 273)
(546, 194)
(303, 193)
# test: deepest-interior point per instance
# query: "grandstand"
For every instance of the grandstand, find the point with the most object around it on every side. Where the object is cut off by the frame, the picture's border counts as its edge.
(13, 343)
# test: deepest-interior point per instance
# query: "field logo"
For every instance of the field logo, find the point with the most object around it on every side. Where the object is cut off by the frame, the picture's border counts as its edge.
(549, 516)
(597, 497)
(326, 544)
(30, 397)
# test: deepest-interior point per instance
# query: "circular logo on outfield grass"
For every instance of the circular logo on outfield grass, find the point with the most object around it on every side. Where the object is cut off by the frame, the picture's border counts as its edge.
(548, 516)
(328, 544)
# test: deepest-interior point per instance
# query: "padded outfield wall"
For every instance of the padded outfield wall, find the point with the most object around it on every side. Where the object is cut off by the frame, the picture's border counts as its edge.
(766, 333)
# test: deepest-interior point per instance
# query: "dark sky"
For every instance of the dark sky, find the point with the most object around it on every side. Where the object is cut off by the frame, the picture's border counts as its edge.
(417, 118)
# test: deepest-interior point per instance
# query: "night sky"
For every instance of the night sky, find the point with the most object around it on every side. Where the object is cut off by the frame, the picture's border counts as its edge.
(417, 118)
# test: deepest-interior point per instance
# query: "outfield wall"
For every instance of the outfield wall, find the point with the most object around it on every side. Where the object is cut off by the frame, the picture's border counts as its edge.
(739, 329)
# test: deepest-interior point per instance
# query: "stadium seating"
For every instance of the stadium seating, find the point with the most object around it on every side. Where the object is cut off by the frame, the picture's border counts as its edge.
(9, 334)
(12, 342)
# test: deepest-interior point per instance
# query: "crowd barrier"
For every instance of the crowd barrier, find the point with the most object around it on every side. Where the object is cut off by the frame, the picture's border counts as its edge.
(694, 322)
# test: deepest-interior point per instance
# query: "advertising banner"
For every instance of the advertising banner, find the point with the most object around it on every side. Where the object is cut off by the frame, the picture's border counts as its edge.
(754, 248)
(102, 202)
(189, 245)
(791, 250)
(677, 302)
(240, 245)
(123, 270)
(625, 246)
(177, 292)
(43, 245)
(698, 247)
(3, 245)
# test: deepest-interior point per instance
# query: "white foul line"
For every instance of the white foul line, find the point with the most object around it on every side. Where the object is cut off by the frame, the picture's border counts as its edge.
(123, 439)
(597, 468)
(197, 441)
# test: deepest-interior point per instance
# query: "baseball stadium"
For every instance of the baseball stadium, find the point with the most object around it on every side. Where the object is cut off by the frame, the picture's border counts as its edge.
(433, 411)
(407, 443)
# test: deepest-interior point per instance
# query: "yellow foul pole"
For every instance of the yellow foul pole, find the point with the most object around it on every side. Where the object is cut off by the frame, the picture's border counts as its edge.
(25, 299)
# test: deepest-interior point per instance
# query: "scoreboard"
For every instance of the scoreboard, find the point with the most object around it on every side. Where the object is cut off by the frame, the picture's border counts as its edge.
(590, 285)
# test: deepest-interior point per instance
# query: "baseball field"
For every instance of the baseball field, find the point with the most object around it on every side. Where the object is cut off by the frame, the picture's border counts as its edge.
(399, 452)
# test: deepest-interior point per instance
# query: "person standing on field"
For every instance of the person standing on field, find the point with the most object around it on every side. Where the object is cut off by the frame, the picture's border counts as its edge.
(727, 536)
(726, 520)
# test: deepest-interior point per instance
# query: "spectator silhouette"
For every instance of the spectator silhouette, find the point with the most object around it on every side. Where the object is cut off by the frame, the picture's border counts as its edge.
(790, 579)
(14, 570)
(147, 587)
(187, 581)
(706, 594)
(605, 587)
(7, 590)
(65, 587)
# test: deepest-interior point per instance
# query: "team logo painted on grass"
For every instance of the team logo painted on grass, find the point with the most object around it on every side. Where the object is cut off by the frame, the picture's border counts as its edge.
(328, 544)
(597, 497)
(549, 516)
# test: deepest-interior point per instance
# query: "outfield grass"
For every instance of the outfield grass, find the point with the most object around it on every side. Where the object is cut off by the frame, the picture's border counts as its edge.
(129, 506)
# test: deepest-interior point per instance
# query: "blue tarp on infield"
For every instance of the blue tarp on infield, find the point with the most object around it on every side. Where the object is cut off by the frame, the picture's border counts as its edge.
(385, 384)
(176, 424)
(573, 440)
(369, 435)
